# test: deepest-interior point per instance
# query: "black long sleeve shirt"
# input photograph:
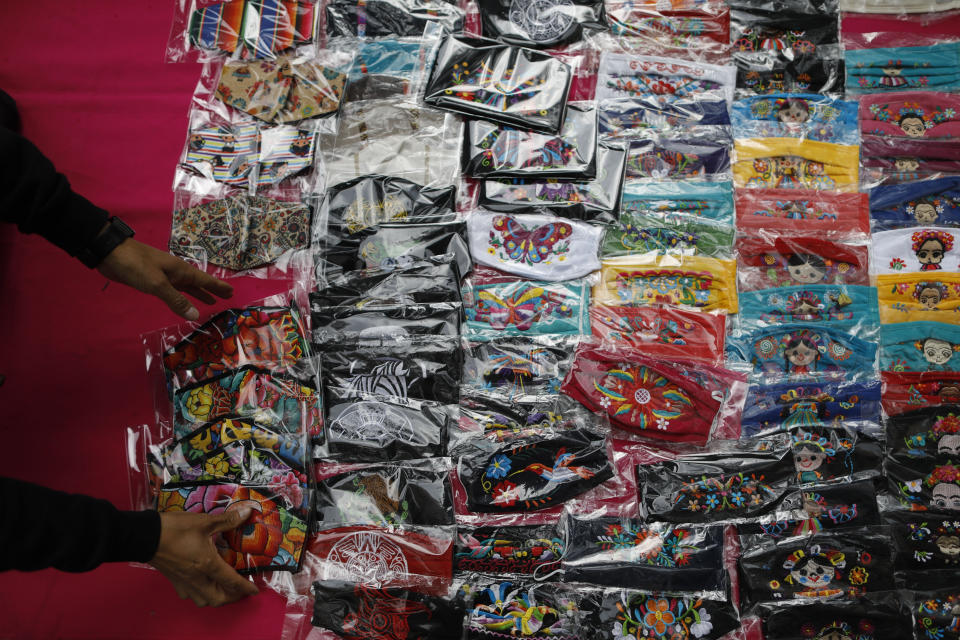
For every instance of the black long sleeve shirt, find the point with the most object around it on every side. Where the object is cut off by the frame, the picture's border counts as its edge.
(40, 527)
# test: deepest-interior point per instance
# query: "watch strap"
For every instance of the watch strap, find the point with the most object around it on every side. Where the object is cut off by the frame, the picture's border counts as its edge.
(109, 239)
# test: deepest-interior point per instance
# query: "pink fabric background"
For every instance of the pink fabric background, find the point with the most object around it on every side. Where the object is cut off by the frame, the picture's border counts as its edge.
(97, 98)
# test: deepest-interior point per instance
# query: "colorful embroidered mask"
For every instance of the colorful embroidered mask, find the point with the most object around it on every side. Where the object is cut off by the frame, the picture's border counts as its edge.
(805, 74)
(534, 246)
(845, 306)
(918, 249)
(935, 67)
(273, 536)
(540, 24)
(646, 234)
(494, 151)
(626, 76)
(382, 324)
(661, 331)
(502, 418)
(911, 114)
(800, 260)
(936, 613)
(927, 549)
(930, 202)
(703, 29)
(911, 297)
(676, 203)
(637, 615)
(907, 391)
(804, 115)
(516, 366)
(241, 231)
(929, 433)
(783, 407)
(535, 473)
(595, 200)
(679, 156)
(919, 346)
(627, 117)
(802, 350)
(378, 18)
(870, 617)
(704, 283)
(790, 163)
(522, 307)
(498, 607)
(822, 454)
(255, 28)
(531, 550)
(424, 282)
(930, 486)
(805, 212)
(501, 83)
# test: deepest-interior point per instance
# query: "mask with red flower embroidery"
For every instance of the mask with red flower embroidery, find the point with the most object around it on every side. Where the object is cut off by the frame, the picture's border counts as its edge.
(906, 391)
(800, 261)
(928, 433)
(881, 616)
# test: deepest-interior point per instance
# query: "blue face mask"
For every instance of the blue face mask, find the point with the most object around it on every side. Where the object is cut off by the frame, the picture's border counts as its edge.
(803, 350)
(626, 116)
(526, 308)
(780, 407)
(796, 115)
(925, 203)
(841, 306)
(935, 67)
(678, 202)
(920, 346)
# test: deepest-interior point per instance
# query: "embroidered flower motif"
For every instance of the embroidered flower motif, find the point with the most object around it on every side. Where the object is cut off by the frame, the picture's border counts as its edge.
(897, 264)
(506, 494)
(659, 617)
(858, 576)
(704, 626)
(499, 467)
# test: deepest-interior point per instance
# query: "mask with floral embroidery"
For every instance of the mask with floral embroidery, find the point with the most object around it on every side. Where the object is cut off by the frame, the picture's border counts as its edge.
(900, 68)
(783, 407)
(535, 473)
(841, 306)
(626, 117)
(679, 156)
(912, 297)
(916, 249)
(628, 76)
(802, 350)
(911, 114)
(638, 615)
(936, 613)
(661, 331)
(800, 260)
(928, 549)
(704, 283)
(524, 307)
(531, 550)
(930, 202)
(823, 454)
(785, 31)
(930, 433)
(881, 616)
(805, 115)
(513, 367)
(806, 74)
(931, 485)
(677, 203)
(671, 32)
(791, 163)
(500, 419)
(497, 608)
(919, 346)
(367, 201)
(636, 234)
(906, 391)
(805, 212)
(898, 160)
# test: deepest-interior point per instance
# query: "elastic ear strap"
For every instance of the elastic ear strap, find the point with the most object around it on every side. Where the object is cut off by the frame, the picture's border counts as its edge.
(549, 575)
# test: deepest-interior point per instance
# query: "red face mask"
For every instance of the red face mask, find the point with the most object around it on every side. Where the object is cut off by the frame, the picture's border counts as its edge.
(661, 331)
(908, 391)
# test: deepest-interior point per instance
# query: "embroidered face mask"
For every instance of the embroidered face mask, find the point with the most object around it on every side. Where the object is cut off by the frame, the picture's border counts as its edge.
(930, 202)
(383, 324)
(807, 115)
(530, 24)
(367, 201)
(626, 76)
(497, 607)
(494, 151)
(595, 200)
(782, 407)
(241, 231)
(535, 473)
(789, 163)
(807, 212)
(935, 612)
(781, 34)
(288, 447)
(823, 565)
(639, 394)
(637, 615)
(517, 308)
(915, 250)
(720, 486)
(534, 246)
(919, 346)
(928, 550)
(625, 552)
(800, 260)
(703, 28)
(677, 156)
(268, 337)
(929, 433)
(911, 114)
(378, 18)
(801, 350)
(675, 203)
(901, 68)
(908, 391)
(627, 117)
(501, 83)
(532, 550)
(661, 331)
(517, 366)
(934, 486)
(388, 495)
(842, 306)
(822, 454)
(254, 29)
(500, 419)
(914, 297)
(805, 74)
(424, 282)
(871, 617)
(273, 536)
(645, 234)
(704, 283)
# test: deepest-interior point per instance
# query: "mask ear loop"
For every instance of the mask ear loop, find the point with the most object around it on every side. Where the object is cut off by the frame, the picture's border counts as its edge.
(552, 573)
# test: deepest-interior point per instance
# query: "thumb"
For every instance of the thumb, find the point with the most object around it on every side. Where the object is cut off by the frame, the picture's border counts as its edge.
(177, 302)
(228, 520)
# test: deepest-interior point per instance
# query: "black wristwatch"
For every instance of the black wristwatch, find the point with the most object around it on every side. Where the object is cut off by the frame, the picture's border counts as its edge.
(107, 241)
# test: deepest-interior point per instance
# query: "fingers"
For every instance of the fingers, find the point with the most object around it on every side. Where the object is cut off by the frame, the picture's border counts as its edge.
(228, 520)
(177, 302)
(231, 582)
(187, 276)
(200, 294)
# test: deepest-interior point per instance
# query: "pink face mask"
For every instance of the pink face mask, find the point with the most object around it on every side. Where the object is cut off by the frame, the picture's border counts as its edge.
(911, 114)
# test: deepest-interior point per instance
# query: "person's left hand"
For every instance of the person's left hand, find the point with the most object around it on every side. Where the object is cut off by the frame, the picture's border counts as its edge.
(162, 275)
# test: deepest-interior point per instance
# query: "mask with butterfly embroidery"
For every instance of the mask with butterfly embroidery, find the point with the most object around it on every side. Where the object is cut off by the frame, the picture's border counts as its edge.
(791, 163)
(661, 331)
(849, 307)
(534, 246)
(821, 213)
(920, 346)
(789, 261)
(629, 76)
(874, 616)
(797, 350)
(682, 155)
(905, 391)
(627, 117)
(913, 297)
(805, 115)
(927, 549)
(930, 202)
(511, 307)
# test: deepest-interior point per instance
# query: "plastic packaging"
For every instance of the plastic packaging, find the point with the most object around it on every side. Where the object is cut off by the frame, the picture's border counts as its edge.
(383, 324)
(677, 202)
(533, 551)
(654, 234)
(628, 117)
(536, 610)
(506, 306)
(379, 18)
(901, 68)
(799, 212)
(796, 115)
(848, 307)
(700, 30)
(926, 250)
(884, 616)
(626, 76)
(518, 366)
(789, 163)
(905, 391)
(426, 281)
(919, 346)
(927, 550)
(891, 160)
(617, 612)
(787, 261)
(927, 202)
(540, 24)
(389, 67)
(696, 153)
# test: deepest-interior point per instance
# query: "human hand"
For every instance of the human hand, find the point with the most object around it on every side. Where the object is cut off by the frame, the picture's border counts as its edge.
(188, 558)
(162, 275)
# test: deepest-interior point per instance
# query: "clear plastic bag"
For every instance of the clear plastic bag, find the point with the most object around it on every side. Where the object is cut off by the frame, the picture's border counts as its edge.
(930, 202)
(905, 391)
(792, 115)
(789, 163)
(629, 117)
(540, 25)
(701, 152)
(625, 76)
(701, 30)
(799, 212)
(784, 261)
(383, 18)
(884, 616)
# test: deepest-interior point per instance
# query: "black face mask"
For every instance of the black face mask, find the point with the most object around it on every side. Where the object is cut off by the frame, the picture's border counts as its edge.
(499, 418)
(872, 617)
(928, 549)
(385, 495)
(382, 325)
(535, 550)
(424, 282)
(834, 564)
(925, 485)
(821, 454)
(534, 473)
(803, 75)
(356, 611)
(546, 610)
(622, 613)
(936, 613)
(931, 434)
(389, 18)
(516, 367)
(540, 24)
(628, 553)
(367, 201)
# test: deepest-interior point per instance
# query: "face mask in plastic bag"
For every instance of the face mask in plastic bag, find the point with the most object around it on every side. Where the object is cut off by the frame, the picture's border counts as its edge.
(424, 282)
(674, 203)
(931, 485)
(872, 617)
(824, 565)
(378, 18)
(522, 307)
(789, 163)
(800, 260)
(705, 283)
(919, 346)
(626, 117)
(640, 614)
(806, 74)
(625, 552)
(783, 407)
(540, 24)
(903, 392)
(927, 549)
(383, 68)
(498, 151)
(388, 495)
(911, 114)
(500, 607)
(894, 161)
(517, 366)
(534, 246)
(595, 200)
(930, 433)
(661, 331)
(501, 83)
(253, 28)
(279, 91)
(914, 297)
(269, 337)
(822, 454)
(501, 418)
(838, 305)
(916, 249)
(272, 537)
(280, 403)
(373, 428)
(935, 67)
(660, 400)
(532, 550)
(626, 76)
(716, 486)
(368, 201)
(535, 473)
(802, 349)
(396, 245)
(647, 234)
(677, 156)
(806, 212)
(898, 6)
(241, 231)
(810, 116)
(702, 29)
(383, 324)
(776, 34)
(936, 613)
(930, 202)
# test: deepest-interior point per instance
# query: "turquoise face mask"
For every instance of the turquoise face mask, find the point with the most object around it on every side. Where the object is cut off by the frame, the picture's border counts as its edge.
(843, 307)
(526, 308)
(935, 67)
(677, 202)
(920, 346)
(796, 115)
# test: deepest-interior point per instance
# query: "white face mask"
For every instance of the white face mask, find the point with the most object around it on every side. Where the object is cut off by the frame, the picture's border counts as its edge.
(916, 249)
(625, 76)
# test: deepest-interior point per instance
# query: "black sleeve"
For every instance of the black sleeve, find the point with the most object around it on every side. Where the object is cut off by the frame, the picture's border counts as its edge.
(39, 200)
(42, 528)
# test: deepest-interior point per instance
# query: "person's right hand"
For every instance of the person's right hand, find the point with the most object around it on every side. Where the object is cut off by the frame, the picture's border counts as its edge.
(188, 558)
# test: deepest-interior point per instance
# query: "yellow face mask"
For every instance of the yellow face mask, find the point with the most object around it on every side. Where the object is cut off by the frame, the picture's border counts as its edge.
(703, 283)
(909, 297)
(792, 163)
